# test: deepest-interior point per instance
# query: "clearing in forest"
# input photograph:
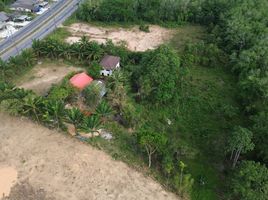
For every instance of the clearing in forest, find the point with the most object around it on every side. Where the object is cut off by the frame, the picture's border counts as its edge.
(135, 39)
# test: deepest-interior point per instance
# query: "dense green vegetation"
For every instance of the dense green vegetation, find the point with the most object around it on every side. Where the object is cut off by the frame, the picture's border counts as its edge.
(188, 109)
(196, 114)
(237, 42)
(152, 11)
(4, 4)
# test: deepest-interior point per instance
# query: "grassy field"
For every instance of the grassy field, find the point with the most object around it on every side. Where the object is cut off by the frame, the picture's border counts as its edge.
(187, 33)
(60, 34)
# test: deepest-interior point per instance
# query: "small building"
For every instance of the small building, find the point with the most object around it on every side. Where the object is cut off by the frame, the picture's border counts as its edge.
(81, 80)
(3, 17)
(26, 6)
(101, 87)
(109, 64)
(22, 18)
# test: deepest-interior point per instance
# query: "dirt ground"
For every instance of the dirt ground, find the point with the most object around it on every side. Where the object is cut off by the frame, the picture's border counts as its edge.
(42, 76)
(134, 39)
(8, 176)
(52, 166)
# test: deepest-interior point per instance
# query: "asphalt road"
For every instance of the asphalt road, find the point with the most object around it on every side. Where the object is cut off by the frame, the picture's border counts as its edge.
(38, 28)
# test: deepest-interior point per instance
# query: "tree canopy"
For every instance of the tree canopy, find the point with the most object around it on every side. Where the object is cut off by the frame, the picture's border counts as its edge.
(239, 142)
(160, 75)
(250, 181)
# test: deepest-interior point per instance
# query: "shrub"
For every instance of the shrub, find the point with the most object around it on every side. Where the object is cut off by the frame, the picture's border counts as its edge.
(208, 55)
(144, 28)
(104, 109)
(75, 116)
(92, 95)
(63, 92)
(91, 123)
(94, 70)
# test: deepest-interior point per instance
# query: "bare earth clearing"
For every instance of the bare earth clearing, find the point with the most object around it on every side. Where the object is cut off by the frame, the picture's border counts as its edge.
(134, 39)
(51, 165)
(42, 76)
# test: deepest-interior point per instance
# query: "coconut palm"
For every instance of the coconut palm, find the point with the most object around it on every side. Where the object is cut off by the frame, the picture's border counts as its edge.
(28, 58)
(117, 78)
(10, 92)
(104, 109)
(74, 116)
(95, 51)
(6, 87)
(32, 106)
(14, 63)
(54, 113)
(5, 70)
(37, 47)
(91, 123)
(82, 48)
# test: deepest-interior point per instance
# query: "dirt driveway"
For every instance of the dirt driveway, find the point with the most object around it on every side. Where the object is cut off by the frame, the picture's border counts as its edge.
(52, 166)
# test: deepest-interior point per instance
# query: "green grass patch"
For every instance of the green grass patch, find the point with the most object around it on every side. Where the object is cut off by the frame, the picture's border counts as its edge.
(60, 34)
(187, 33)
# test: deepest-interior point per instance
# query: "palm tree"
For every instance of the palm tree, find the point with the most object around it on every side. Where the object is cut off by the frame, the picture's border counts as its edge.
(95, 51)
(4, 69)
(116, 79)
(83, 45)
(37, 47)
(91, 124)
(54, 113)
(6, 86)
(75, 116)
(32, 106)
(10, 92)
(104, 109)
(15, 64)
(28, 58)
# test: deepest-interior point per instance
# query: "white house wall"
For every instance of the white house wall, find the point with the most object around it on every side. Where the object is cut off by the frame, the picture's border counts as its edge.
(105, 72)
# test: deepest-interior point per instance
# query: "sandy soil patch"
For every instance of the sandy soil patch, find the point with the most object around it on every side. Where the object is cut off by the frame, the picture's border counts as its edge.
(64, 168)
(134, 39)
(8, 177)
(41, 77)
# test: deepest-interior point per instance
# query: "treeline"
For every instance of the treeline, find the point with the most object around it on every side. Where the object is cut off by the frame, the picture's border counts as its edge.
(84, 51)
(242, 33)
(153, 11)
(16, 66)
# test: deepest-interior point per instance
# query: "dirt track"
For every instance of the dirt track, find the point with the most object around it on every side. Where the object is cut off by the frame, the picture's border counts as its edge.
(63, 168)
